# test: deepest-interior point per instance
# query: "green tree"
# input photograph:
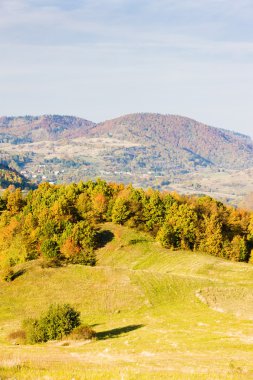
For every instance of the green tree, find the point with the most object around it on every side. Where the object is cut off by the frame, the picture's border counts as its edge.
(181, 226)
(58, 321)
(168, 236)
(237, 249)
(50, 249)
(212, 239)
(154, 212)
(121, 210)
(15, 201)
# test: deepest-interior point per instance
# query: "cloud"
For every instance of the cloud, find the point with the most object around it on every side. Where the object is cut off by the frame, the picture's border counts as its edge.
(99, 58)
(169, 27)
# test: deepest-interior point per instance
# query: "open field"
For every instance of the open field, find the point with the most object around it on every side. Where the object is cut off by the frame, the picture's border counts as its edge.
(80, 146)
(232, 185)
(158, 314)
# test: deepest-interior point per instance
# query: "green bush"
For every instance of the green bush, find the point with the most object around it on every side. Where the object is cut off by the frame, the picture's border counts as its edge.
(50, 249)
(84, 257)
(34, 331)
(58, 321)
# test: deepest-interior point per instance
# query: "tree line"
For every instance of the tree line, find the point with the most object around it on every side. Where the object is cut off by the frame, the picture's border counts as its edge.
(62, 222)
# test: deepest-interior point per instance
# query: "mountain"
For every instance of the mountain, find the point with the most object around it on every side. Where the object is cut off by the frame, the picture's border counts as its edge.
(149, 150)
(180, 140)
(170, 141)
(29, 129)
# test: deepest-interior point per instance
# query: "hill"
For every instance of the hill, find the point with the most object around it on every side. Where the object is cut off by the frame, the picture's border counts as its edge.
(60, 222)
(149, 150)
(158, 314)
(10, 176)
(28, 129)
(178, 142)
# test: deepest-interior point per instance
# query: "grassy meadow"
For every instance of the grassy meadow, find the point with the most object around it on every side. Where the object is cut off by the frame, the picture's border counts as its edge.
(158, 314)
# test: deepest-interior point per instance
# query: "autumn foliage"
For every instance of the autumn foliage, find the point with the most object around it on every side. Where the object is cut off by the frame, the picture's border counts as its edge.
(61, 222)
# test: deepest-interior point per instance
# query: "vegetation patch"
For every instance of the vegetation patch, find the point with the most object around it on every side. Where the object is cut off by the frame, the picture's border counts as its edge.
(63, 223)
(58, 321)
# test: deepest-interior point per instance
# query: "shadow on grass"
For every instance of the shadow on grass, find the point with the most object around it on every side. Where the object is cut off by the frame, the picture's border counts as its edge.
(104, 237)
(136, 241)
(114, 333)
(17, 274)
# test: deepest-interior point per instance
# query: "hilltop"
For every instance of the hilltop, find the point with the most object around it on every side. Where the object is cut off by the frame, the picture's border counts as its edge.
(180, 141)
(28, 129)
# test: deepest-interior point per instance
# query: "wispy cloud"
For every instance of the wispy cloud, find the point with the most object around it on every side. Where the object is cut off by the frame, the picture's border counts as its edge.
(178, 56)
(178, 27)
(103, 17)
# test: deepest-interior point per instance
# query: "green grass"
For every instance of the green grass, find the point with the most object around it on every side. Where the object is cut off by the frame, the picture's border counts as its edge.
(141, 300)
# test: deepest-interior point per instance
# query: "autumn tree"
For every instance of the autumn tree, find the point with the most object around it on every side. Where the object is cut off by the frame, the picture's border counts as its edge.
(121, 210)
(212, 239)
(180, 226)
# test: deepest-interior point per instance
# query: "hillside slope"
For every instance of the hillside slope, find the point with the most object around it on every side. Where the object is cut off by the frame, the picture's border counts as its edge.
(28, 129)
(181, 141)
(10, 176)
(158, 314)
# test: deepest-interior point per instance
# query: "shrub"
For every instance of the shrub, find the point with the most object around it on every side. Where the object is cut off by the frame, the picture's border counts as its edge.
(85, 258)
(34, 331)
(58, 321)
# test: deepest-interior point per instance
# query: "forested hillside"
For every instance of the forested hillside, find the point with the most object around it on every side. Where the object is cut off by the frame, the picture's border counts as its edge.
(182, 142)
(28, 129)
(62, 223)
(10, 177)
(179, 141)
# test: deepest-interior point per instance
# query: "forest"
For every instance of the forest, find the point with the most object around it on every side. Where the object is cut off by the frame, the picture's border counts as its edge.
(64, 223)
(9, 176)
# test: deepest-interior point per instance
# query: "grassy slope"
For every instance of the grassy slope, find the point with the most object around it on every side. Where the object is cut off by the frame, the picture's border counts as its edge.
(142, 301)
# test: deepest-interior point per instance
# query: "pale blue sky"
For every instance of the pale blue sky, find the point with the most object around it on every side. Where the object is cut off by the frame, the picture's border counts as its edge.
(101, 59)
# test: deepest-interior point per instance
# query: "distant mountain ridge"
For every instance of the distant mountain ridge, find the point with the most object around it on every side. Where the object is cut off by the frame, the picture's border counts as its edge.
(181, 137)
(176, 139)
(23, 129)
(146, 149)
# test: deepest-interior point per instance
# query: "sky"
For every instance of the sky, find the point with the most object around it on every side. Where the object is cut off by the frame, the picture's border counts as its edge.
(99, 59)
